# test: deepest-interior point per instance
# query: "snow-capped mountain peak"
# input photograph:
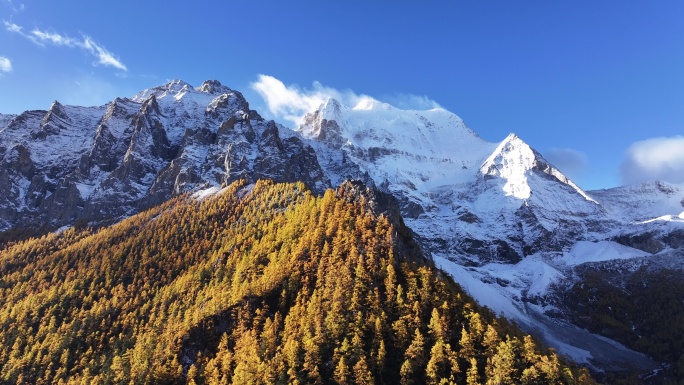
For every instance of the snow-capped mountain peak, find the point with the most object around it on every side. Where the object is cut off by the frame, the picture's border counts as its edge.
(513, 160)
(331, 109)
(510, 161)
(367, 104)
(213, 87)
(173, 88)
(178, 89)
(376, 124)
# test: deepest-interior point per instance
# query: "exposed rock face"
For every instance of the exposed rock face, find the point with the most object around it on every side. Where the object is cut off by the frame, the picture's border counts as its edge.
(93, 164)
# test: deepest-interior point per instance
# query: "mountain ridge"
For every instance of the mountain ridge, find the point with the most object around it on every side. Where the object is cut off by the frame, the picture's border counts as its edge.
(474, 206)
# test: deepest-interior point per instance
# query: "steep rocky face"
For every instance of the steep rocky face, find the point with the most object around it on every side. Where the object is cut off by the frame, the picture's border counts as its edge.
(94, 164)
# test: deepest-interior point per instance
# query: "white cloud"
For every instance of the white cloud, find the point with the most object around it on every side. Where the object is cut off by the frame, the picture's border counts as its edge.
(5, 64)
(39, 37)
(13, 27)
(570, 162)
(293, 102)
(54, 38)
(105, 57)
(655, 159)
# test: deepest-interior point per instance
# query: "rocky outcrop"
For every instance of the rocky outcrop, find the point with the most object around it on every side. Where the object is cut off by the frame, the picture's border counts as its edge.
(91, 165)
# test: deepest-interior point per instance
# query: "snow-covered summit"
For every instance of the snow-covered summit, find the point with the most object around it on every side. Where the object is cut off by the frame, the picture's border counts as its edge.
(183, 106)
(403, 147)
(428, 150)
(463, 195)
(178, 89)
(174, 87)
(513, 160)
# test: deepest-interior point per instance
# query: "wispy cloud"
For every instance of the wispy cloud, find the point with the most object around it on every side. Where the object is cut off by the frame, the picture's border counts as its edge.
(14, 6)
(13, 28)
(38, 36)
(411, 102)
(293, 102)
(105, 57)
(86, 43)
(655, 159)
(5, 64)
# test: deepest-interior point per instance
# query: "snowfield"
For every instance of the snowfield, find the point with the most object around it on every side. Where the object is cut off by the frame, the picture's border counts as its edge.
(584, 251)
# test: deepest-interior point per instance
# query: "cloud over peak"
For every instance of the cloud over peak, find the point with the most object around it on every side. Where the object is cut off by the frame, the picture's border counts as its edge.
(86, 43)
(292, 102)
(655, 159)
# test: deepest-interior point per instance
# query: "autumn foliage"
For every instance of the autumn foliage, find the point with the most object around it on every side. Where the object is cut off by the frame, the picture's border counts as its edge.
(261, 284)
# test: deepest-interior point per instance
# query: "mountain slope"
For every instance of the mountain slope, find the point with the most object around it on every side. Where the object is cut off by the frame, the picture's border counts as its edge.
(504, 221)
(260, 283)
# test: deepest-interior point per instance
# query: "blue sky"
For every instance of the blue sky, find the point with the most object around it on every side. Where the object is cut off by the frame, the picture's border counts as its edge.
(596, 86)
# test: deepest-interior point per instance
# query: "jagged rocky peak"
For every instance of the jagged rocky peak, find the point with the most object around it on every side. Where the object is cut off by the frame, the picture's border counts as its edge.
(177, 85)
(324, 124)
(173, 87)
(150, 106)
(330, 109)
(117, 107)
(53, 121)
(178, 88)
(231, 101)
(56, 111)
(213, 87)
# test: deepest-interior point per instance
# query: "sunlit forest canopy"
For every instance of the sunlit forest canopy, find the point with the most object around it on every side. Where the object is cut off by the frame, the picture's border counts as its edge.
(259, 284)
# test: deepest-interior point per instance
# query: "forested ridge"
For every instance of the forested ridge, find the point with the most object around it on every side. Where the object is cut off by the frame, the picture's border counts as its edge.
(261, 283)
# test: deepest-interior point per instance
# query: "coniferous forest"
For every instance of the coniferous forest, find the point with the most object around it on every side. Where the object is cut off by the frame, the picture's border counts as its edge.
(260, 284)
